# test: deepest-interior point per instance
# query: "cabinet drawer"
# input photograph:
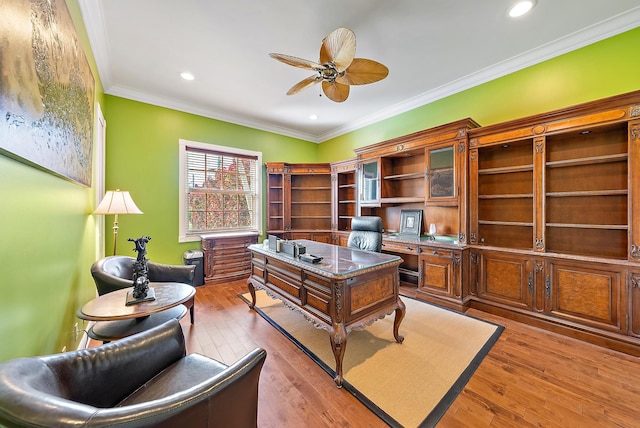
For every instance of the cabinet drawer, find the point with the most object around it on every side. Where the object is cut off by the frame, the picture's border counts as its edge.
(437, 252)
(228, 258)
(238, 243)
(400, 247)
(225, 252)
(231, 270)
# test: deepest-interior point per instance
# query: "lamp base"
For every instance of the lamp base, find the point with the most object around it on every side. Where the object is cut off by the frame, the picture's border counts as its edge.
(151, 295)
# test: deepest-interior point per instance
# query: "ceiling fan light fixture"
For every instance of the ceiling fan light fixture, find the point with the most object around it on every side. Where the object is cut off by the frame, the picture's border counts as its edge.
(521, 8)
(337, 68)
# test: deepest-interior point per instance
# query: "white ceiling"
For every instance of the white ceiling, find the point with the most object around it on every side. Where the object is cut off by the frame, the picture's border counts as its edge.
(433, 48)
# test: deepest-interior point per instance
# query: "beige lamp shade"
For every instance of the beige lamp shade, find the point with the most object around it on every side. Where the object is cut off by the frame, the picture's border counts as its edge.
(117, 202)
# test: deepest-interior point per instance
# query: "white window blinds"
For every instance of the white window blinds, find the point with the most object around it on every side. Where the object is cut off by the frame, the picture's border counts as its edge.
(221, 189)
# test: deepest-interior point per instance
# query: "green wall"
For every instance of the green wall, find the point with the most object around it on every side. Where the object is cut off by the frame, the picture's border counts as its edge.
(142, 157)
(47, 239)
(47, 243)
(603, 69)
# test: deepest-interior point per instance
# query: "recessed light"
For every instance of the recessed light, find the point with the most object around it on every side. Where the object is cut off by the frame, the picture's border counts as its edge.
(521, 7)
(187, 76)
(313, 116)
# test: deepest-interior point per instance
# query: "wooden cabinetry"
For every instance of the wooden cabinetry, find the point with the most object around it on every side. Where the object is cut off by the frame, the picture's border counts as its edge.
(586, 294)
(408, 251)
(633, 285)
(275, 197)
(505, 279)
(425, 170)
(344, 188)
(299, 200)
(226, 258)
(441, 276)
(553, 203)
(369, 180)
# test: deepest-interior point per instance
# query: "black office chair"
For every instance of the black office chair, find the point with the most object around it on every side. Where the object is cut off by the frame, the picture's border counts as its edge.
(366, 233)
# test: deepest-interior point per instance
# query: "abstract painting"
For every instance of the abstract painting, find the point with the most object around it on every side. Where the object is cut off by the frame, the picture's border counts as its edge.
(46, 89)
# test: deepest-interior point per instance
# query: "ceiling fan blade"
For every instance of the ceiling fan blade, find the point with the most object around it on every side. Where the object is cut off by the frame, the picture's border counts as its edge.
(363, 71)
(297, 62)
(304, 84)
(339, 47)
(335, 91)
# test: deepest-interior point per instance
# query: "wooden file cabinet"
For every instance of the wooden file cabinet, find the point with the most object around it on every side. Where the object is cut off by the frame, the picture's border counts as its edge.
(227, 258)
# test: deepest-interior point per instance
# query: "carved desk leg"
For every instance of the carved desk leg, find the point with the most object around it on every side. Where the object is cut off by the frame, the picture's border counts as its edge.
(338, 337)
(252, 291)
(400, 311)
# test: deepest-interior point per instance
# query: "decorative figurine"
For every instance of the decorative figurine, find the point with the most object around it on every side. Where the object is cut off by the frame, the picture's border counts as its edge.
(140, 270)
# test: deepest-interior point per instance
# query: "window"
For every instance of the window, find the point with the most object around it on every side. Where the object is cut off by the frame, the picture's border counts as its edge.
(219, 190)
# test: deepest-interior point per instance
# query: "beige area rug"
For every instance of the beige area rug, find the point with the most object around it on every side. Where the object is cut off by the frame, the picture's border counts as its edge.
(410, 384)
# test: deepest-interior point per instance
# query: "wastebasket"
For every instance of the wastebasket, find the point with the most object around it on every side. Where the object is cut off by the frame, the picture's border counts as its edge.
(195, 258)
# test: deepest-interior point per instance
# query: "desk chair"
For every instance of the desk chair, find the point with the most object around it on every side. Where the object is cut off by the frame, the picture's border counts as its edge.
(366, 233)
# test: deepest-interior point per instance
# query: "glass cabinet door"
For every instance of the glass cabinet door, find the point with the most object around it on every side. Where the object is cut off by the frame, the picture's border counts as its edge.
(441, 173)
(370, 183)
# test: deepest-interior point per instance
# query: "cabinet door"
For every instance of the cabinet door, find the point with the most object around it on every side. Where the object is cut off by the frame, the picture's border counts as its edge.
(441, 174)
(505, 278)
(586, 293)
(370, 183)
(438, 273)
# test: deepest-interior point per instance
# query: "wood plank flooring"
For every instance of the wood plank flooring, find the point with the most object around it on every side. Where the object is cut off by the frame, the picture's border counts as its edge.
(531, 377)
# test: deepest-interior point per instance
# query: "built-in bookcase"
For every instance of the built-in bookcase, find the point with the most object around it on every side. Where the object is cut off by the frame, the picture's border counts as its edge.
(586, 192)
(345, 207)
(299, 200)
(505, 203)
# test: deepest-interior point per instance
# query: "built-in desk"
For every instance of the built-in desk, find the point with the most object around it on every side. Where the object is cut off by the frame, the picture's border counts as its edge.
(434, 267)
(348, 290)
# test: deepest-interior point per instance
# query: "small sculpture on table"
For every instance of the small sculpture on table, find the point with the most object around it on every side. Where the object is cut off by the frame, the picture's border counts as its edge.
(141, 291)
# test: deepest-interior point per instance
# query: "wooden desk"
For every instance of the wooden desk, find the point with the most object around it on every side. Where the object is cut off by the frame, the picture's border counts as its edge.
(348, 290)
(117, 320)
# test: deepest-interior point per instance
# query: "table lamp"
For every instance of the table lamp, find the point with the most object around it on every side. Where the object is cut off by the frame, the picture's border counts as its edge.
(117, 202)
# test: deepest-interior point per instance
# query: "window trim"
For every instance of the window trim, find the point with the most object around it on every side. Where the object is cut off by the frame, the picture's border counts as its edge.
(183, 236)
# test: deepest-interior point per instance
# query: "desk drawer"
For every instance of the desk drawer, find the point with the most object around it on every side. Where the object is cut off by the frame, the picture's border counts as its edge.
(284, 278)
(438, 252)
(317, 295)
(400, 247)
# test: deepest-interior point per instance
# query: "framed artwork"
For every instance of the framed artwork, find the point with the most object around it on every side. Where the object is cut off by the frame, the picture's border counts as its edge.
(46, 89)
(410, 222)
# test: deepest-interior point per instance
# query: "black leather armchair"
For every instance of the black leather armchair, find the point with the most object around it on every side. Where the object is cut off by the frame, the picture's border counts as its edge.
(366, 233)
(116, 272)
(140, 381)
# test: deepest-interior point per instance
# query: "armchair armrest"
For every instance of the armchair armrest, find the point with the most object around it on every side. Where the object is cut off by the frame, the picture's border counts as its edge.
(171, 273)
(196, 388)
(106, 283)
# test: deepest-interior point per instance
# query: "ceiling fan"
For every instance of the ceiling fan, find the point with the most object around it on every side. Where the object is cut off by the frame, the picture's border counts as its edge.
(337, 68)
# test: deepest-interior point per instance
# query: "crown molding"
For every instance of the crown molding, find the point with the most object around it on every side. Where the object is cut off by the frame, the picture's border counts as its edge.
(93, 17)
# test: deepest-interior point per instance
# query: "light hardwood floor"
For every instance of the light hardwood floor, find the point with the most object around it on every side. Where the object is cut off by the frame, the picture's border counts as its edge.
(530, 378)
